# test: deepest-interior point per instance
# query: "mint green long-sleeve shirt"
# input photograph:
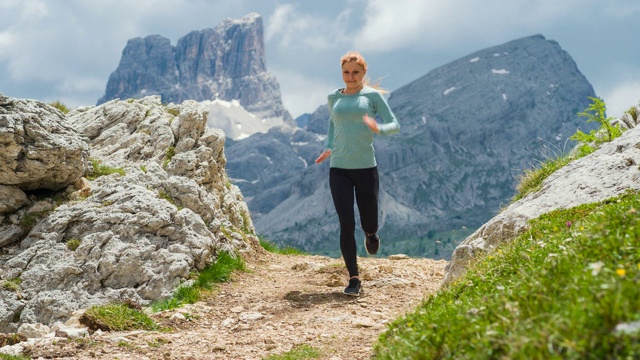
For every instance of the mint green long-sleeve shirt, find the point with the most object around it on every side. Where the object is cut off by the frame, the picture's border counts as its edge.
(349, 138)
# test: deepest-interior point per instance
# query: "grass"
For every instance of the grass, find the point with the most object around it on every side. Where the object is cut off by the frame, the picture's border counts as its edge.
(303, 351)
(102, 170)
(12, 285)
(117, 317)
(169, 154)
(29, 221)
(174, 111)
(13, 357)
(166, 196)
(273, 248)
(531, 180)
(73, 244)
(60, 106)
(557, 291)
(218, 272)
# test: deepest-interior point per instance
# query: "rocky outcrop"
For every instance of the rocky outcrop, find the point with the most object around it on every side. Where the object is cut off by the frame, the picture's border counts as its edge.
(610, 171)
(39, 151)
(227, 62)
(162, 208)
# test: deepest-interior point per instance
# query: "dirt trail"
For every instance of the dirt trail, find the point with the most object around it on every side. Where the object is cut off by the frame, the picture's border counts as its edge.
(281, 302)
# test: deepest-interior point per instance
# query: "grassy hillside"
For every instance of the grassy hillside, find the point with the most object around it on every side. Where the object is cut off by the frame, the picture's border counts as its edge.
(568, 288)
(564, 289)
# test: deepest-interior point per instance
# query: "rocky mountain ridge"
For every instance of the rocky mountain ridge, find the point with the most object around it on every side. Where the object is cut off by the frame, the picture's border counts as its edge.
(227, 62)
(69, 241)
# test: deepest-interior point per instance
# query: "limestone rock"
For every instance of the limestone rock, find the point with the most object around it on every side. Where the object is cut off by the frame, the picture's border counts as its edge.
(39, 150)
(11, 199)
(134, 235)
(600, 175)
(33, 330)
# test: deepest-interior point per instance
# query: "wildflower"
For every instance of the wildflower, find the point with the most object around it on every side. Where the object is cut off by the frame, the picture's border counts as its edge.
(596, 267)
(581, 228)
(621, 272)
(569, 224)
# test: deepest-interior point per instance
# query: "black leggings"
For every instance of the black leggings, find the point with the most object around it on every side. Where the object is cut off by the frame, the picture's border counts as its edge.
(343, 182)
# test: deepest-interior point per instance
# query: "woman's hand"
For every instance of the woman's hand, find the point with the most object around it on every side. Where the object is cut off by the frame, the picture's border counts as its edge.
(371, 123)
(325, 154)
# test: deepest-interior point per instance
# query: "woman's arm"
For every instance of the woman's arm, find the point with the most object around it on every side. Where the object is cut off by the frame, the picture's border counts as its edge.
(390, 124)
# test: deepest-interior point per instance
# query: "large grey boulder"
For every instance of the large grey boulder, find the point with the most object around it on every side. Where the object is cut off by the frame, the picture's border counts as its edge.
(136, 234)
(610, 171)
(39, 151)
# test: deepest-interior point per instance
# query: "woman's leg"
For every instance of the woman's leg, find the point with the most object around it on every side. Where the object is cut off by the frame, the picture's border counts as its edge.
(342, 186)
(367, 199)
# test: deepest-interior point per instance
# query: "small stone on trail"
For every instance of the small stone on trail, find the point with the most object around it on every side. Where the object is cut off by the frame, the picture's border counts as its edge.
(399, 257)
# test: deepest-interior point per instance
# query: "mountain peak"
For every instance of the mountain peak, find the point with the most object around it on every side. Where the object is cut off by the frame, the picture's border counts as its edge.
(227, 62)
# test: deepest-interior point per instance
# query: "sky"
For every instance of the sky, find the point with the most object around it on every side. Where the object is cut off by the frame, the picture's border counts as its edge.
(65, 50)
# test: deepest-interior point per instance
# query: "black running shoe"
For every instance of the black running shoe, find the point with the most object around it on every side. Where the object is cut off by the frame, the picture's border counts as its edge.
(372, 243)
(354, 287)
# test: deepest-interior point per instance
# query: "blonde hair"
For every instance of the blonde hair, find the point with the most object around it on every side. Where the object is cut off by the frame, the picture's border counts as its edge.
(359, 59)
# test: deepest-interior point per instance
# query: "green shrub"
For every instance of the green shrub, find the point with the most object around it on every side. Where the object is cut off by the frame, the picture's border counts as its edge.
(218, 272)
(605, 133)
(557, 291)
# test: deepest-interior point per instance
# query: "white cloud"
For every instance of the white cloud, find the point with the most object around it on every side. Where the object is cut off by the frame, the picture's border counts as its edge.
(300, 92)
(291, 28)
(436, 24)
(622, 8)
(34, 10)
(6, 42)
(621, 97)
(81, 84)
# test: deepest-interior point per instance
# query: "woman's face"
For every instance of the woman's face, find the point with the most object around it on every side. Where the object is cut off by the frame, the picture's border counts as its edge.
(352, 74)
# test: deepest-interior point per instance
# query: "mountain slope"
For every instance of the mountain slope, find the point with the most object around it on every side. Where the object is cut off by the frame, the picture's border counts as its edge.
(468, 129)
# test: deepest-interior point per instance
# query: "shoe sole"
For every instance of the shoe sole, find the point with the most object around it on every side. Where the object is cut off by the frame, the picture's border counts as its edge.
(367, 249)
(351, 294)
